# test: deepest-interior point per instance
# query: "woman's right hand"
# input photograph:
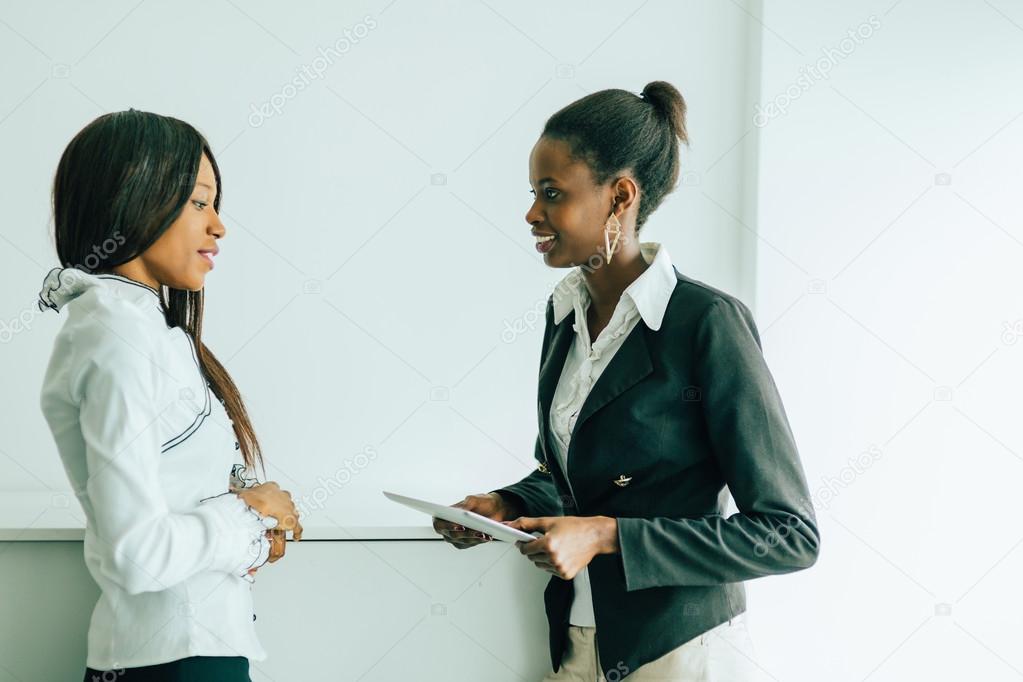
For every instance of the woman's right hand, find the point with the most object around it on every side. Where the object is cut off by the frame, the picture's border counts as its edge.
(491, 505)
(269, 500)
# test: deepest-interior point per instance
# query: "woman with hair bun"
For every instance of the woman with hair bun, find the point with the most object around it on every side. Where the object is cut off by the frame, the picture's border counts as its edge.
(654, 404)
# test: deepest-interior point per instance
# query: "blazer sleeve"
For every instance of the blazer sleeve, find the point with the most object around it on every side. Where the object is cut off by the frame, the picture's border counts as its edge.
(142, 545)
(775, 529)
(535, 494)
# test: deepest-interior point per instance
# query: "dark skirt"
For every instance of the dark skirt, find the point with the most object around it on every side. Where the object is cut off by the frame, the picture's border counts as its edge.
(194, 669)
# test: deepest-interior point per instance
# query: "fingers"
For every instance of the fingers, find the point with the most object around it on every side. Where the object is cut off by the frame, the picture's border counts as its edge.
(277, 544)
(458, 535)
(290, 520)
(469, 542)
(544, 561)
(480, 504)
(530, 524)
(534, 548)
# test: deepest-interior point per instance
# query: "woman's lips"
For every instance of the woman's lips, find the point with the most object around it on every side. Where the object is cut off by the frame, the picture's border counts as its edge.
(208, 257)
(544, 243)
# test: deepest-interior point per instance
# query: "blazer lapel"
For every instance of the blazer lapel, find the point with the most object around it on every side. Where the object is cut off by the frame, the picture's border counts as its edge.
(550, 373)
(630, 365)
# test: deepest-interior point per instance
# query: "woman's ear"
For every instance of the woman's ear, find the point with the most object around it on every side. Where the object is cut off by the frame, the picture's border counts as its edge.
(625, 195)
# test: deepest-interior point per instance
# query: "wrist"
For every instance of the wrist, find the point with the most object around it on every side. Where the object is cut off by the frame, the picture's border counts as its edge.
(509, 507)
(607, 534)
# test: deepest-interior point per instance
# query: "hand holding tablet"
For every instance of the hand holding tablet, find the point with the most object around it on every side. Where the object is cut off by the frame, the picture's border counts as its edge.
(466, 518)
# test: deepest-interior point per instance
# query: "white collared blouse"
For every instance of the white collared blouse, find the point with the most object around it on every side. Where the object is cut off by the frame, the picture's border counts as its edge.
(645, 299)
(144, 444)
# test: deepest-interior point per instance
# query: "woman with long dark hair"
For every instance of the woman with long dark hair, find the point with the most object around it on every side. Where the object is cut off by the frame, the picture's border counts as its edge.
(654, 403)
(152, 431)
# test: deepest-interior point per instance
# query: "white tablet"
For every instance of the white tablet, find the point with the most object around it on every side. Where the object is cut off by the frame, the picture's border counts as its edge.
(463, 517)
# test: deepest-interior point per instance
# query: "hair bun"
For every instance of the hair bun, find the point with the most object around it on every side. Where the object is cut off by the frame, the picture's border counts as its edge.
(666, 98)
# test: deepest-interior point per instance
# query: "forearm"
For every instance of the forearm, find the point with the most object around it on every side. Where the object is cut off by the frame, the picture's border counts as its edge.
(513, 505)
(714, 550)
(147, 549)
(534, 495)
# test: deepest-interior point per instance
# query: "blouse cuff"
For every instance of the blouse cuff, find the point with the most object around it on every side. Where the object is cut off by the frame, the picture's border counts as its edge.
(237, 533)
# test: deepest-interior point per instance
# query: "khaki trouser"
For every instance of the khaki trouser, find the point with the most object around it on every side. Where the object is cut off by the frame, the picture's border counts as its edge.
(722, 654)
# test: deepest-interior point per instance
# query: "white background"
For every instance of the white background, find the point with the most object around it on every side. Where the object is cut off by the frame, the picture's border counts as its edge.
(873, 227)
(360, 306)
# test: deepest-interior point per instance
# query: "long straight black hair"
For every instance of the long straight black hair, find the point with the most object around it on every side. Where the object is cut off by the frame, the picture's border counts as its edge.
(120, 183)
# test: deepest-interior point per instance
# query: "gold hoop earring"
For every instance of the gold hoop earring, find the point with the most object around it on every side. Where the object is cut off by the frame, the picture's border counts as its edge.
(612, 226)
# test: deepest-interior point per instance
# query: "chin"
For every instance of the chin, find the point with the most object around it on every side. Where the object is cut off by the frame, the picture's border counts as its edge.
(190, 284)
(559, 259)
(552, 261)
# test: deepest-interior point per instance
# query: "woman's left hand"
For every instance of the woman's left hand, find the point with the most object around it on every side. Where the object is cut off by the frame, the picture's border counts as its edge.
(568, 543)
(277, 539)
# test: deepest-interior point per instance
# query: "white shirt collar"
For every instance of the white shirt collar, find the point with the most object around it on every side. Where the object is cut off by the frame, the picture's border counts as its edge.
(650, 292)
(63, 285)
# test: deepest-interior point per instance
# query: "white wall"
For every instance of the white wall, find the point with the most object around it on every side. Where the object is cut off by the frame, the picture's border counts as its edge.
(888, 271)
(377, 249)
(371, 611)
(376, 253)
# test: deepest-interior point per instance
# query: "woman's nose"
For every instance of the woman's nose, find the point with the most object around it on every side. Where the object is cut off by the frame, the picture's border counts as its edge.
(216, 227)
(533, 215)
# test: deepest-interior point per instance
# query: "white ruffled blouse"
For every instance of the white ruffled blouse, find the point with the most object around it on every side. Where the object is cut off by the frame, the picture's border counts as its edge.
(136, 426)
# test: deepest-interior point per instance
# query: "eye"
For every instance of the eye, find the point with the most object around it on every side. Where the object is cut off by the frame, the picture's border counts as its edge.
(551, 193)
(201, 205)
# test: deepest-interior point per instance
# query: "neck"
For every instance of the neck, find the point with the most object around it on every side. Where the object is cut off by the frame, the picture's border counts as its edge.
(607, 283)
(136, 270)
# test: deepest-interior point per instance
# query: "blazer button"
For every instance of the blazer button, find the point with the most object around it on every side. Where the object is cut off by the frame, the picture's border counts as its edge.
(622, 480)
(542, 468)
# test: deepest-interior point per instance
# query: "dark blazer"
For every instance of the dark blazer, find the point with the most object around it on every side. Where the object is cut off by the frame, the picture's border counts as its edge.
(680, 417)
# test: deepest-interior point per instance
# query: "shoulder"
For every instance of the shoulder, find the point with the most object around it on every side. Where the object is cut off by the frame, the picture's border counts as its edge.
(111, 335)
(100, 320)
(694, 303)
